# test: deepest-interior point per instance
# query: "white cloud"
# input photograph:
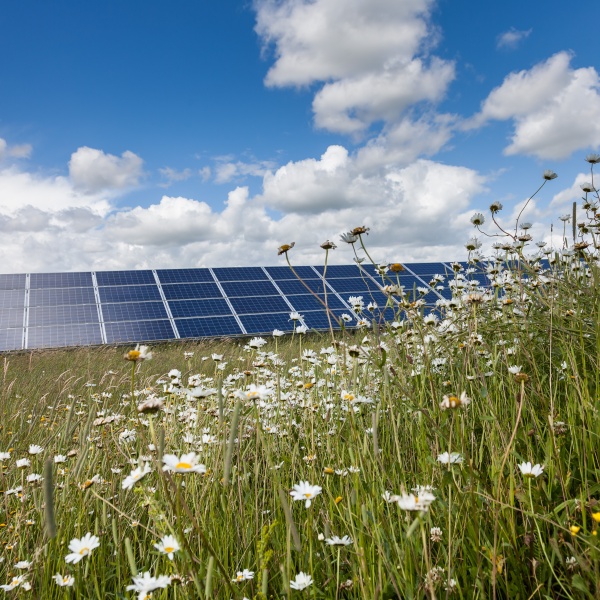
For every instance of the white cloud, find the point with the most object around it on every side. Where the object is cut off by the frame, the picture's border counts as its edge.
(555, 109)
(370, 55)
(510, 39)
(172, 175)
(227, 169)
(93, 170)
(12, 151)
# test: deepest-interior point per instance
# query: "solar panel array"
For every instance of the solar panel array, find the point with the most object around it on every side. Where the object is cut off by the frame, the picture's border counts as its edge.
(44, 310)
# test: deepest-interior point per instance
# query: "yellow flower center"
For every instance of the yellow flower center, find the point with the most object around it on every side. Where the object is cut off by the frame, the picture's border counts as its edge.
(84, 551)
(183, 465)
(307, 495)
(169, 549)
(133, 355)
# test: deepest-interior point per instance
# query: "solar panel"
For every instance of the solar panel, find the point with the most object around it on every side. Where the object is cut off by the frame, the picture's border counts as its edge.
(64, 335)
(308, 302)
(266, 323)
(54, 297)
(124, 277)
(62, 308)
(11, 317)
(11, 339)
(134, 311)
(249, 288)
(129, 293)
(239, 274)
(278, 273)
(59, 280)
(62, 315)
(265, 304)
(12, 298)
(297, 287)
(12, 282)
(216, 326)
(184, 275)
(189, 291)
(199, 308)
(135, 331)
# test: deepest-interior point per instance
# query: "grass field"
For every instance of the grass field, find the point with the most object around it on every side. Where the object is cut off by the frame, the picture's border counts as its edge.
(451, 455)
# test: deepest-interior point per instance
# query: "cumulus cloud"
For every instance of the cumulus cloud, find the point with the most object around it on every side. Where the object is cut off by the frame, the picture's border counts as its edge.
(173, 175)
(227, 169)
(370, 54)
(93, 170)
(512, 38)
(555, 109)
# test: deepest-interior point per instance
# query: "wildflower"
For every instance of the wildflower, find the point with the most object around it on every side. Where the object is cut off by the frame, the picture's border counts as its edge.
(33, 477)
(496, 206)
(478, 219)
(593, 158)
(529, 470)
(66, 581)
(349, 237)
(60, 458)
(135, 476)
(596, 516)
(452, 458)
(571, 563)
(396, 268)
(565, 218)
(81, 547)
(217, 357)
(295, 316)
(436, 534)
(301, 329)
(277, 333)
(587, 187)
(334, 540)
(152, 404)
(35, 449)
(4, 455)
(257, 342)
(285, 248)
(360, 230)
(574, 529)
(255, 392)
(23, 462)
(454, 402)
(168, 545)
(549, 174)
(514, 369)
(22, 564)
(301, 582)
(145, 583)
(187, 463)
(328, 245)
(412, 502)
(305, 491)
(244, 575)
(140, 353)
(15, 582)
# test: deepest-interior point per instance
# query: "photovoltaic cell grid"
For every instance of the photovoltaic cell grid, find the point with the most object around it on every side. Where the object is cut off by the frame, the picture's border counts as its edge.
(42, 310)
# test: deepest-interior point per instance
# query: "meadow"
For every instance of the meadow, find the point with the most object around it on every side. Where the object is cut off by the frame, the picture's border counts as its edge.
(449, 453)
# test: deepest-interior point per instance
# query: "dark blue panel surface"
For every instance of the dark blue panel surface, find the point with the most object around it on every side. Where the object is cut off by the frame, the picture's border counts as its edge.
(124, 277)
(54, 297)
(11, 339)
(199, 308)
(309, 302)
(215, 326)
(59, 280)
(427, 269)
(267, 323)
(63, 335)
(138, 331)
(264, 304)
(340, 271)
(352, 284)
(189, 291)
(134, 311)
(239, 274)
(318, 319)
(12, 282)
(249, 288)
(62, 315)
(184, 275)
(297, 287)
(129, 293)
(287, 273)
(12, 298)
(11, 317)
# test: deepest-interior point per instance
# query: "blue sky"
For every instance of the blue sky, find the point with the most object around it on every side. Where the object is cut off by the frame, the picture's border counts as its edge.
(194, 133)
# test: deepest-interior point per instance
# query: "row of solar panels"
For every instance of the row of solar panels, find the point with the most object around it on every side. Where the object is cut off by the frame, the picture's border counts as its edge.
(41, 310)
